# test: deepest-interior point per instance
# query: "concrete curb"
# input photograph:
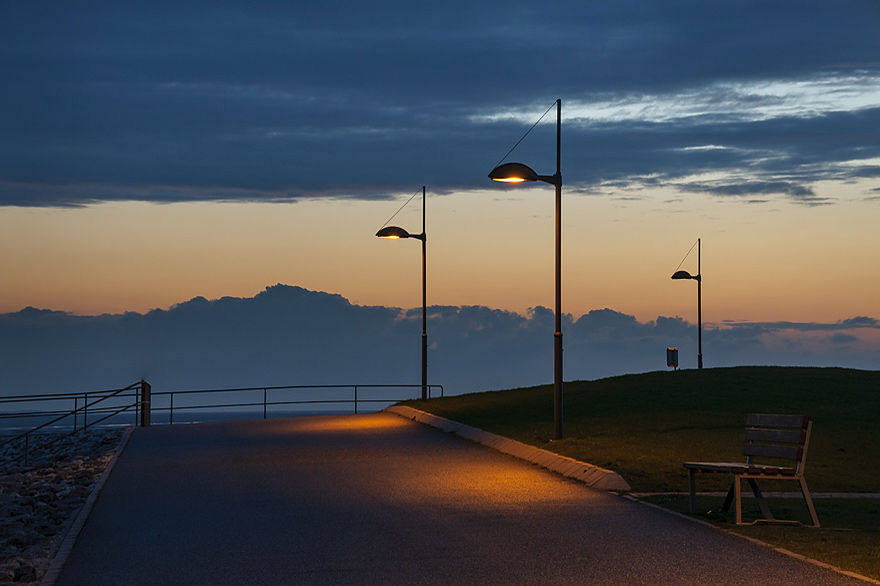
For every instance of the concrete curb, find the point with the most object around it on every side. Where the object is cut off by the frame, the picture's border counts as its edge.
(590, 475)
(60, 557)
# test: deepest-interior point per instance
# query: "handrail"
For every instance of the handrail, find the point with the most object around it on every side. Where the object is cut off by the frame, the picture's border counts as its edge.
(106, 395)
(265, 403)
(56, 396)
(143, 403)
(294, 387)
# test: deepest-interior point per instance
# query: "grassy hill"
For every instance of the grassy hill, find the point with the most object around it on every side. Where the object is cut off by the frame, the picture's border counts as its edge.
(644, 426)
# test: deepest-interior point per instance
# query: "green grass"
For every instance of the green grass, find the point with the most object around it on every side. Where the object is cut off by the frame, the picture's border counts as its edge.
(644, 426)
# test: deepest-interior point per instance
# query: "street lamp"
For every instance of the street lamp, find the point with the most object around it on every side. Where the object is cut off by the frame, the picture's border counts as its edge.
(519, 173)
(393, 233)
(699, 279)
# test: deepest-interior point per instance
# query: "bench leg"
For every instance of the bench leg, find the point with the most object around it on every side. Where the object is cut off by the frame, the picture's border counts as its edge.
(762, 504)
(693, 491)
(728, 499)
(737, 489)
(807, 499)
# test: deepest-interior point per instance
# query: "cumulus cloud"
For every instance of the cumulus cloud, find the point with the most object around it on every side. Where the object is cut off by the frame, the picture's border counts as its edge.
(292, 336)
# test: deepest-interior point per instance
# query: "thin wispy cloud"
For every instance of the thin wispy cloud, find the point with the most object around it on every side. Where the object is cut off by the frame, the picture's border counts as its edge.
(725, 102)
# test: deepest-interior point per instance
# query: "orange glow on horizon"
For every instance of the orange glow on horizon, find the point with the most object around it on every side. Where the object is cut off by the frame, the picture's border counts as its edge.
(774, 261)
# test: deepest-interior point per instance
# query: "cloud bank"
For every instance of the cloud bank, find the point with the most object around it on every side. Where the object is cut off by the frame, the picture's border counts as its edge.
(292, 336)
(279, 101)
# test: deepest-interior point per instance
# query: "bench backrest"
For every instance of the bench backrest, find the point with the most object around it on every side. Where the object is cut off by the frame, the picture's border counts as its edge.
(784, 437)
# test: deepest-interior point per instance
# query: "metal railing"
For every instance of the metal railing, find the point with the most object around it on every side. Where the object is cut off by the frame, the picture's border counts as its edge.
(101, 406)
(282, 397)
(138, 391)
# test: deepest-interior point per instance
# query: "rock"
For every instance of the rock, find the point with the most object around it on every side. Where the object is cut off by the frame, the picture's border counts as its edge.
(24, 573)
(39, 501)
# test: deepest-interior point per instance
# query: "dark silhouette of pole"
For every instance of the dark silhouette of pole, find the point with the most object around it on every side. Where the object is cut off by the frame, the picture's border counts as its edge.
(557, 336)
(518, 173)
(699, 279)
(699, 310)
(424, 239)
(394, 232)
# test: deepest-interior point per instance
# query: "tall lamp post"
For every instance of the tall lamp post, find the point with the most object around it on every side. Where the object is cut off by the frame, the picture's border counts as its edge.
(393, 232)
(519, 173)
(699, 279)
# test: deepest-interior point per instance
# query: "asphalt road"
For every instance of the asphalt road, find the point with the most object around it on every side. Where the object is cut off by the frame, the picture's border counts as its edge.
(378, 499)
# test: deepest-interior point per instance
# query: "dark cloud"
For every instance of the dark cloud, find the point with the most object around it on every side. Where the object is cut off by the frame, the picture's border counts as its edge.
(751, 188)
(847, 324)
(292, 336)
(280, 101)
(843, 339)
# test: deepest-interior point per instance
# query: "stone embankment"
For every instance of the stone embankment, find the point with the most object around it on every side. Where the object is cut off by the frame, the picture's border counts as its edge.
(39, 501)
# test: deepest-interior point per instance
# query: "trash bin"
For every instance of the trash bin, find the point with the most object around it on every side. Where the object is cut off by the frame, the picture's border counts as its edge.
(672, 357)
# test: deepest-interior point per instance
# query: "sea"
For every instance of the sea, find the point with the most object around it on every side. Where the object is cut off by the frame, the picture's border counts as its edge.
(16, 426)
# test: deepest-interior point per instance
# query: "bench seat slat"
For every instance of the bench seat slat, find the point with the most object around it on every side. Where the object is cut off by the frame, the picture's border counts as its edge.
(740, 468)
(772, 471)
(727, 467)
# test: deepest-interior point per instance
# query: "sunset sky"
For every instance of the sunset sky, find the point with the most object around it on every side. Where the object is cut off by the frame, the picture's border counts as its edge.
(153, 154)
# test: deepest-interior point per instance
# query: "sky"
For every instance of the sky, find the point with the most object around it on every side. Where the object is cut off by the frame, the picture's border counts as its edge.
(155, 153)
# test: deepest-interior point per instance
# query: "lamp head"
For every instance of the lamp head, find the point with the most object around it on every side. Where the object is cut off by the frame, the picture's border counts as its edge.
(513, 173)
(393, 232)
(684, 275)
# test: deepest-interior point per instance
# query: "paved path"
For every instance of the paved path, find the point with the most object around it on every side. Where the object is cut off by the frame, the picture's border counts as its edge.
(378, 499)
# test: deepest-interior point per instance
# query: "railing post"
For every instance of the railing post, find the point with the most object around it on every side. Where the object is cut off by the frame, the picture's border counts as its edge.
(85, 410)
(355, 399)
(171, 411)
(264, 403)
(75, 411)
(145, 403)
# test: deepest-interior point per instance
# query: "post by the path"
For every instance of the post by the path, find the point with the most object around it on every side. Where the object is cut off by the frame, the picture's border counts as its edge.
(145, 403)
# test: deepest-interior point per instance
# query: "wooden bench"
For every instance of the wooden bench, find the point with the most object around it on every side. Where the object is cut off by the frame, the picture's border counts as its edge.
(783, 439)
